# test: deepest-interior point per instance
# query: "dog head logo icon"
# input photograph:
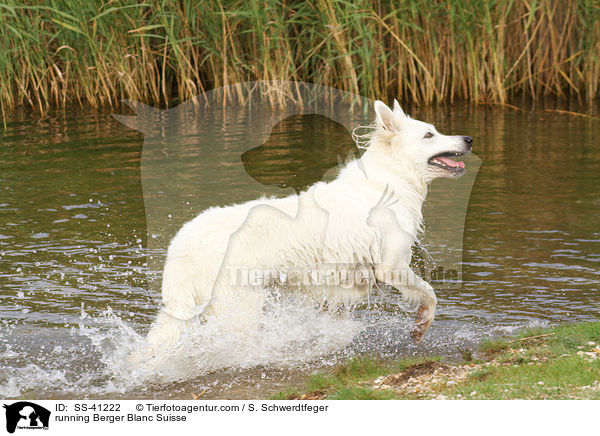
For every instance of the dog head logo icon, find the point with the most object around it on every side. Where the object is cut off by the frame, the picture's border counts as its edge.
(26, 415)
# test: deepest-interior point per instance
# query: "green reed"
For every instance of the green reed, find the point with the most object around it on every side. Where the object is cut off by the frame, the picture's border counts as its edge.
(58, 52)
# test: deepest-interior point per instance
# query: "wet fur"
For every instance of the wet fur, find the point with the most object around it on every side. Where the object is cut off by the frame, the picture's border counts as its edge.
(368, 218)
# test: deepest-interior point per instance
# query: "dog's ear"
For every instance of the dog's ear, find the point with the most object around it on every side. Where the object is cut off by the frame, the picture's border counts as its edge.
(398, 109)
(385, 118)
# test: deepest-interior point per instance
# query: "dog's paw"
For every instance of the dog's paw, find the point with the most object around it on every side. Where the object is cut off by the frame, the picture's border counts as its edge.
(422, 323)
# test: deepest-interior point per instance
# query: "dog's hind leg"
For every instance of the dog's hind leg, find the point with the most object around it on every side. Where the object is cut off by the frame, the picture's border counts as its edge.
(165, 332)
(186, 292)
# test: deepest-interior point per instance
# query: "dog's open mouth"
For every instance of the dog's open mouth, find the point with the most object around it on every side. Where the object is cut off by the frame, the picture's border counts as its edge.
(444, 162)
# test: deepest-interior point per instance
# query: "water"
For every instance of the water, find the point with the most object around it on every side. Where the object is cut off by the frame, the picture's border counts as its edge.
(76, 294)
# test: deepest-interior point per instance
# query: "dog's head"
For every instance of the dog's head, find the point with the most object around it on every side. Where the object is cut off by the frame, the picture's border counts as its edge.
(419, 145)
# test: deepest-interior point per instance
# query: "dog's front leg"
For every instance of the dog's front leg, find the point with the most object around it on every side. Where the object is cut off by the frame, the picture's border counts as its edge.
(394, 245)
(427, 300)
(414, 288)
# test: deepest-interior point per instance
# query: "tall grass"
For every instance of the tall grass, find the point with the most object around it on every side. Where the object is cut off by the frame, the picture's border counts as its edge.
(59, 52)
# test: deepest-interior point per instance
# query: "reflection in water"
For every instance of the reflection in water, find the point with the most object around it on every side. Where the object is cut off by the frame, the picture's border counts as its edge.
(73, 260)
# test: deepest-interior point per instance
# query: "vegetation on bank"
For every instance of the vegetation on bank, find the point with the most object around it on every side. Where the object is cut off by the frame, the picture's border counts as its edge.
(558, 363)
(59, 52)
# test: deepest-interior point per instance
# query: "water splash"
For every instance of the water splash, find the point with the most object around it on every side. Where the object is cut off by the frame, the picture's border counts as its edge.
(94, 357)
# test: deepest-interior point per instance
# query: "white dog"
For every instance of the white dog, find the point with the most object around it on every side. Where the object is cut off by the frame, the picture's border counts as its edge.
(366, 220)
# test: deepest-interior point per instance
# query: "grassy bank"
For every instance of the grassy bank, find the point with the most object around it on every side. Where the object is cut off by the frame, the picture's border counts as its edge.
(60, 52)
(558, 363)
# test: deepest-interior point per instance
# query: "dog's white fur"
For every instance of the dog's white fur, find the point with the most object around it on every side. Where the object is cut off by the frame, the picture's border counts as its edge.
(343, 222)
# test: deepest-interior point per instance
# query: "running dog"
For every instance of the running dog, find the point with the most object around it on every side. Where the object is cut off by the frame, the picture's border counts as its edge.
(366, 220)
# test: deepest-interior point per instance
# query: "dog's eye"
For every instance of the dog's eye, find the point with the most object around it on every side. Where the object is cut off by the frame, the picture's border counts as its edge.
(428, 135)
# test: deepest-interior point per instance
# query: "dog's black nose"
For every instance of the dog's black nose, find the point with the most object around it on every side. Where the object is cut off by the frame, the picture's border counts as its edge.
(469, 141)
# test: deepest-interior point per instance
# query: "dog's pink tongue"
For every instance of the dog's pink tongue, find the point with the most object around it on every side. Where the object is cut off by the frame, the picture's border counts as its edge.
(450, 162)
